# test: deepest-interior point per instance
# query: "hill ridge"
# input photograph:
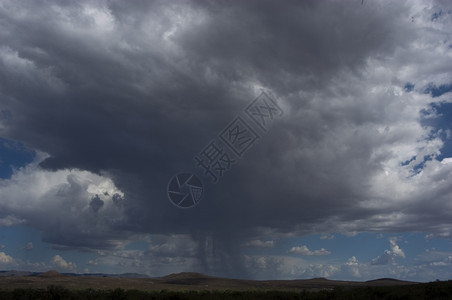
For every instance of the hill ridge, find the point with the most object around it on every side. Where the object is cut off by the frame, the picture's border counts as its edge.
(191, 280)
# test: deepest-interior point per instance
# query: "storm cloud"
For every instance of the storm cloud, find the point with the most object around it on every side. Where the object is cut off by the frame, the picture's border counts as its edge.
(118, 97)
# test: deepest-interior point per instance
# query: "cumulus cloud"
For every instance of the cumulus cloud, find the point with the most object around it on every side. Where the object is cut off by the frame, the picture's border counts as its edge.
(28, 247)
(36, 194)
(304, 250)
(174, 245)
(327, 237)
(276, 267)
(288, 267)
(389, 256)
(96, 203)
(5, 258)
(434, 257)
(446, 160)
(164, 255)
(430, 264)
(352, 267)
(60, 263)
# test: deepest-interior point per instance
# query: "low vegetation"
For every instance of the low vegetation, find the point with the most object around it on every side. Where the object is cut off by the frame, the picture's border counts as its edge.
(432, 290)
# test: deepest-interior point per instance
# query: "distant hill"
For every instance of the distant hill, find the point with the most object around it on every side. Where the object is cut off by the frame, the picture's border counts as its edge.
(122, 275)
(388, 282)
(17, 273)
(178, 281)
(51, 274)
(189, 278)
(197, 279)
(184, 275)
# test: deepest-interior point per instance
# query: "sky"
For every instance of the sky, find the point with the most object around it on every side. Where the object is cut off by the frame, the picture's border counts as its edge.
(246, 139)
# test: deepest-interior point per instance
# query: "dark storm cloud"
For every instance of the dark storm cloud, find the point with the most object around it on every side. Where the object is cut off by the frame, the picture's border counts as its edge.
(134, 91)
(287, 46)
(96, 203)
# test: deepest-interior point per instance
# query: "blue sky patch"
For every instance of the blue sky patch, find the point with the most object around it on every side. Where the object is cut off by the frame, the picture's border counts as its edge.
(438, 90)
(13, 155)
(440, 118)
(408, 87)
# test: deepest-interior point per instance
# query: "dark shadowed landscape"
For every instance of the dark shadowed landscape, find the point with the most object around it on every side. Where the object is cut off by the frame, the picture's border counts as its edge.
(177, 282)
(55, 285)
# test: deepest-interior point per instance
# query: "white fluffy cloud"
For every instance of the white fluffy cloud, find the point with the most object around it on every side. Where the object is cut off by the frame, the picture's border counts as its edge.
(60, 263)
(389, 256)
(28, 247)
(5, 258)
(304, 250)
(61, 200)
(163, 255)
